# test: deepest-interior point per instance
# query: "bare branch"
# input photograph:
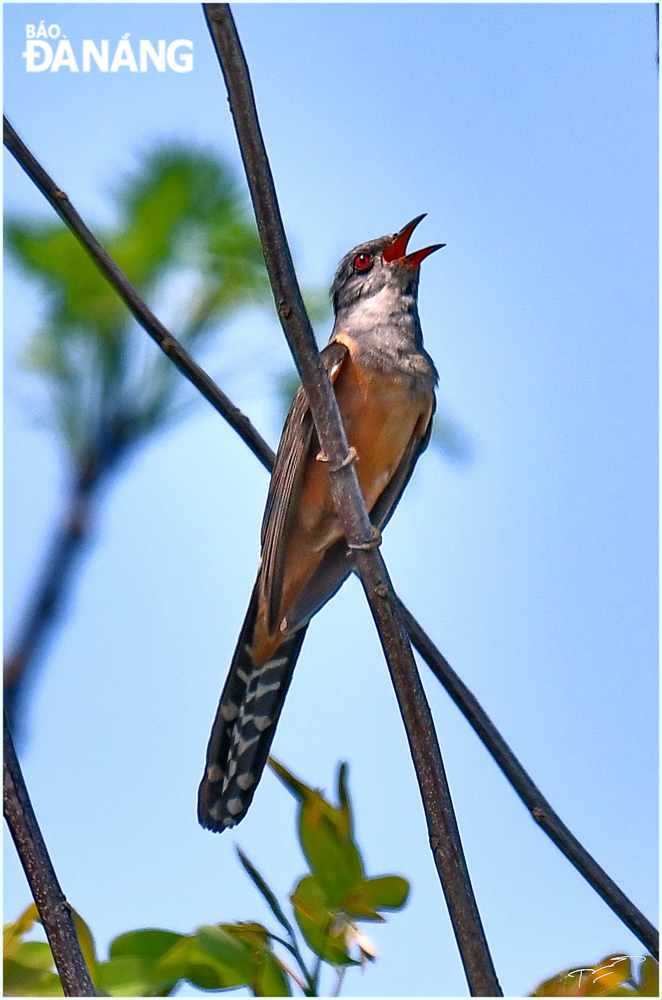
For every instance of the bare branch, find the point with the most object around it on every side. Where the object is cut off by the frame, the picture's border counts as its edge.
(54, 910)
(533, 799)
(351, 509)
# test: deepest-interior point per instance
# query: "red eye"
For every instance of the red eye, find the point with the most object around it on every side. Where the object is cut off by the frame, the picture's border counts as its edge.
(362, 261)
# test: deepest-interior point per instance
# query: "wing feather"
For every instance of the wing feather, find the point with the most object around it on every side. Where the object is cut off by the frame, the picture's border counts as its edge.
(295, 444)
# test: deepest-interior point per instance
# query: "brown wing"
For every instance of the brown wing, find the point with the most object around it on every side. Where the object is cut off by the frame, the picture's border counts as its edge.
(285, 487)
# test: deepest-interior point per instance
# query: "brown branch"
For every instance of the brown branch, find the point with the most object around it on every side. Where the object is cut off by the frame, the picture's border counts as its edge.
(464, 699)
(48, 598)
(350, 506)
(54, 910)
(533, 799)
(129, 295)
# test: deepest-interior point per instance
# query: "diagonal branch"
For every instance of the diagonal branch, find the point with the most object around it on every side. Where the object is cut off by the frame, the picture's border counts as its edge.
(54, 910)
(350, 506)
(533, 799)
(520, 780)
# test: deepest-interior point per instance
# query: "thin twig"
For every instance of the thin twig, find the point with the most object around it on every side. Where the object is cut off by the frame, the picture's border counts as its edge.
(295, 976)
(464, 699)
(54, 911)
(350, 506)
(126, 291)
(339, 981)
(536, 803)
(307, 987)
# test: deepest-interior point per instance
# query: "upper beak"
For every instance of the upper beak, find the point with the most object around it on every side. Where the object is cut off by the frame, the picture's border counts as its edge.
(397, 250)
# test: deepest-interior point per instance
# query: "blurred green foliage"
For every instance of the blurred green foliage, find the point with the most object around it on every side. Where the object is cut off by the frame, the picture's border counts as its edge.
(613, 976)
(183, 233)
(327, 903)
(183, 230)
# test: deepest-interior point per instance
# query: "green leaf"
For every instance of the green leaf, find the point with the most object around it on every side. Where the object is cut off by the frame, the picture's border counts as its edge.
(293, 784)
(35, 955)
(612, 976)
(25, 981)
(13, 933)
(388, 892)
(344, 800)
(86, 941)
(271, 980)
(649, 978)
(316, 921)
(325, 834)
(149, 943)
(226, 950)
(187, 960)
(29, 971)
(248, 932)
(266, 974)
(612, 972)
(129, 976)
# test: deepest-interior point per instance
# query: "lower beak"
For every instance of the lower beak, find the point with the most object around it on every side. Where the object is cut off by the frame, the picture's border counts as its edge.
(397, 249)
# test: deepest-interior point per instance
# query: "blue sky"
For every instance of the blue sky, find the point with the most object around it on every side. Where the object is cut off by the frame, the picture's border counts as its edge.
(528, 133)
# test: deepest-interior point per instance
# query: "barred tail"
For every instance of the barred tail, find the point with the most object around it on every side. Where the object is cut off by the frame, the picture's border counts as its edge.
(244, 727)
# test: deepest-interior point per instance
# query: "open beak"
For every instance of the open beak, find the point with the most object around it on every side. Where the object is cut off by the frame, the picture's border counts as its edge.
(397, 250)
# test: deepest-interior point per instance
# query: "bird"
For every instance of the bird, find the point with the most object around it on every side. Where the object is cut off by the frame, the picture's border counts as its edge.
(384, 381)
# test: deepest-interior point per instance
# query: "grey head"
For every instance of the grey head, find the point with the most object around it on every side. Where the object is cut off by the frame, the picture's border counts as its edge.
(380, 270)
(375, 295)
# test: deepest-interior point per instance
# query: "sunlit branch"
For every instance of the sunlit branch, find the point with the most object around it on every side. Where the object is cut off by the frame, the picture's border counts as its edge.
(54, 911)
(350, 507)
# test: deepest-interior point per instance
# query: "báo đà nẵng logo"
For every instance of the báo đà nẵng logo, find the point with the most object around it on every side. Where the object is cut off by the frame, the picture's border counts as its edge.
(46, 48)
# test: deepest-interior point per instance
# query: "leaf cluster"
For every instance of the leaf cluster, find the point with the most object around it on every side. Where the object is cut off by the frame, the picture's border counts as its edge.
(150, 962)
(327, 903)
(613, 976)
(183, 234)
(330, 900)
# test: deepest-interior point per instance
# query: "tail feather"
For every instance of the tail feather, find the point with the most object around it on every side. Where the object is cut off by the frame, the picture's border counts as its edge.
(244, 728)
